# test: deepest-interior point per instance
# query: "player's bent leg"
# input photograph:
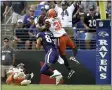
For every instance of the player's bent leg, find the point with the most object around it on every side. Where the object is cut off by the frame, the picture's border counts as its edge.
(74, 49)
(53, 74)
(66, 62)
(50, 59)
(19, 80)
(62, 50)
(72, 45)
(9, 79)
(45, 70)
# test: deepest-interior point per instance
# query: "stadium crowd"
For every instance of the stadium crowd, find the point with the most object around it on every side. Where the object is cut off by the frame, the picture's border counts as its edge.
(78, 18)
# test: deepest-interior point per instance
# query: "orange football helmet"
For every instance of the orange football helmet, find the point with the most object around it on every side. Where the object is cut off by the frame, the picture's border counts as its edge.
(51, 13)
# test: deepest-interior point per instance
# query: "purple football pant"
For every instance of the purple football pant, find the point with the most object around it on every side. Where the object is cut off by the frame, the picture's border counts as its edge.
(51, 57)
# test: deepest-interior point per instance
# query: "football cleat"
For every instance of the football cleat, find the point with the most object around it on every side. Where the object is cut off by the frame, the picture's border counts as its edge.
(29, 76)
(56, 73)
(74, 59)
(58, 79)
(32, 75)
(70, 74)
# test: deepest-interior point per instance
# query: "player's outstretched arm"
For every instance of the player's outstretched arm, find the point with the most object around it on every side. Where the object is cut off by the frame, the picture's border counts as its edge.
(40, 28)
(38, 45)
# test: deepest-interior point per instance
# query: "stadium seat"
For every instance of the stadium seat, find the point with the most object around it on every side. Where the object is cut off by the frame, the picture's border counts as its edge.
(38, 10)
(39, 7)
(79, 35)
(20, 45)
(37, 13)
(79, 38)
(94, 37)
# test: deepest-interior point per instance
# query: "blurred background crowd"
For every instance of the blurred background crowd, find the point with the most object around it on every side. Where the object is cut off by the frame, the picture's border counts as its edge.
(78, 18)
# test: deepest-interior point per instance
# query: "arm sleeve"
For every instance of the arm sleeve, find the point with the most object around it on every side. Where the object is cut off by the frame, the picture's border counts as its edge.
(25, 20)
(32, 28)
(38, 35)
(56, 8)
(72, 8)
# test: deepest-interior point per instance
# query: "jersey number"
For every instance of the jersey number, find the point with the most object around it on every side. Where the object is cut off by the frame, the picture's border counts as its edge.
(48, 39)
(92, 23)
(57, 25)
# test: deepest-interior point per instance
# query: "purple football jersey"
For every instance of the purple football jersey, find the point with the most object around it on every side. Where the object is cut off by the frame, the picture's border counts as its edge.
(47, 40)
(49, 46)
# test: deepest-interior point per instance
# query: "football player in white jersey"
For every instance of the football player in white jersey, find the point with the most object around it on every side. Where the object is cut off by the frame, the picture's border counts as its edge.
(63, 40)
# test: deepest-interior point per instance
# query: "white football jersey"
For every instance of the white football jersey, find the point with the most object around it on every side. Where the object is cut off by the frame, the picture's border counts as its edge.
(56, 27)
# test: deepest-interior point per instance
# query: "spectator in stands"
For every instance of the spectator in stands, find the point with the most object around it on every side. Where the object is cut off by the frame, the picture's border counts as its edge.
(51, 4)
(58, 3)
(87, 4)
(4, 9)
(21, 38)
(97, 8)
(79, 9)
(109, 9)
(32, 33)
(90, 21)
(8, 58)
(65, 13)
(81, 24)
(27, 21)
(19, 9)
(81, 27)
(40, 21)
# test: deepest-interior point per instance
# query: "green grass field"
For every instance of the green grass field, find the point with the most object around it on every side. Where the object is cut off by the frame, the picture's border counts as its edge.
(54, 87)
